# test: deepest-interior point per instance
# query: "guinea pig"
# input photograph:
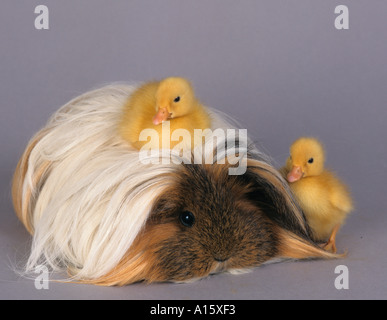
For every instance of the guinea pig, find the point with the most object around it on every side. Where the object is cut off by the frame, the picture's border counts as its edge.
(95, 210)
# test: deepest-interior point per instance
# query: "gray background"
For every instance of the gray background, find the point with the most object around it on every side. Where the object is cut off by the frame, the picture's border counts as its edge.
(280, 67)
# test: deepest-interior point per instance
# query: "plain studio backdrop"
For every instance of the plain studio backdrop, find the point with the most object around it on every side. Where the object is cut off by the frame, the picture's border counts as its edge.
(281, 68)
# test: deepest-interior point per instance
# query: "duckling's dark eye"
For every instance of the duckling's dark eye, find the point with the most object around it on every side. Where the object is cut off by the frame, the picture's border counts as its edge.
(310, 160)
(187, 218)
(177, 99)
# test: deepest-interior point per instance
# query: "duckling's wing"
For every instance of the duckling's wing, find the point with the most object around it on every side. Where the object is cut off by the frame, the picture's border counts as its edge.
(340, 196)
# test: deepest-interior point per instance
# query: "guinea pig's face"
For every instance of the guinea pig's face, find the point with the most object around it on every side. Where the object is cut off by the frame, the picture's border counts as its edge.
(205, 224)
(208, 222)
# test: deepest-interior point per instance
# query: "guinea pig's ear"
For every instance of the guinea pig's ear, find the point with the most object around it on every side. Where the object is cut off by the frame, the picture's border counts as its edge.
(270, 192)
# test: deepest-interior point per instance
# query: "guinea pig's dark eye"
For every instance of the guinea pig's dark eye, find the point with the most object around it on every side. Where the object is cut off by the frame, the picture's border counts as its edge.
(177, 99)
(310, 160)
(187, 218)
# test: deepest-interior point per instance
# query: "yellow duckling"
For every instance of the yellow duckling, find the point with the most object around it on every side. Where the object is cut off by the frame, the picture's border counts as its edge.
(323, 197)
(154, 102)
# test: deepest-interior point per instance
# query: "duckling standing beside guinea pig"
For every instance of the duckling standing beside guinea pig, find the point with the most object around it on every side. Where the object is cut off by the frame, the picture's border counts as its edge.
(324, 199)
(154, 102)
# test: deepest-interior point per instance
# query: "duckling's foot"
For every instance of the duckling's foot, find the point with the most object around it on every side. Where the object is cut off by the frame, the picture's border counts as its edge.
(330, 245)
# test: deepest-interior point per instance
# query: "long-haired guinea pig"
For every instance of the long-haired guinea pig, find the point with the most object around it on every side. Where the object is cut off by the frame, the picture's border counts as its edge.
(97, 211)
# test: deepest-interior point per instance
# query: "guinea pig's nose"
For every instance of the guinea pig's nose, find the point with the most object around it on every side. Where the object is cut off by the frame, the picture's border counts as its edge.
(220, 259)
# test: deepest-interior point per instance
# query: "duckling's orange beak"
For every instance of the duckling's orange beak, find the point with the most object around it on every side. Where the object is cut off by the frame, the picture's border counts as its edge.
(295, 174)
(161, 116)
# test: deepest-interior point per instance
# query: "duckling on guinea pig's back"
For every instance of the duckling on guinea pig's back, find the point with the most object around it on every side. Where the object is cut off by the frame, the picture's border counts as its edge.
(171, 99)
